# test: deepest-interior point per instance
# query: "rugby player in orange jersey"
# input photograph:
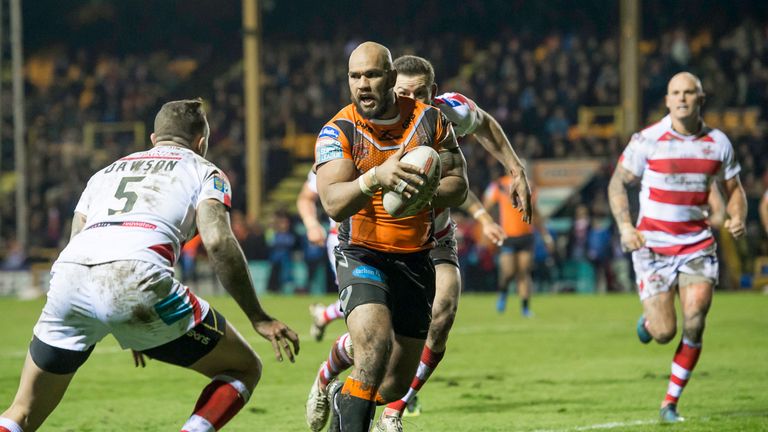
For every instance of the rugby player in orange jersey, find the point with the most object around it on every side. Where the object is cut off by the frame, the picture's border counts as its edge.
(386, 277)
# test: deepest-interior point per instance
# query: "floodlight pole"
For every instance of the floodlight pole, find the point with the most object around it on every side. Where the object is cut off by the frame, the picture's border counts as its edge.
(630, 65)
(19, 132)
(253, 128)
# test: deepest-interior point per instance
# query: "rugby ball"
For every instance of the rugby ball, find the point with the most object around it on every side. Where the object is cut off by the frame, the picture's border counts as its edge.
(424, 157)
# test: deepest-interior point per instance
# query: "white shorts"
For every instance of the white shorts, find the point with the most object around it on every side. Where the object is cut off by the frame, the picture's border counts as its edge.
(140, 303)
(656, 273)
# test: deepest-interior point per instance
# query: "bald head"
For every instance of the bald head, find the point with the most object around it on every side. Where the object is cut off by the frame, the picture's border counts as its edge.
(685, 79)
(371, 81)
(371, 53)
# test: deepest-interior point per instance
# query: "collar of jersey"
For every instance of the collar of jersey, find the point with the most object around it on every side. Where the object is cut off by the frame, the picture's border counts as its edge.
(386, 122)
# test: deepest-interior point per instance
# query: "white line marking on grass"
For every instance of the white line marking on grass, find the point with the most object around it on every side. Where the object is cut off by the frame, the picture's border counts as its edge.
(611, 425)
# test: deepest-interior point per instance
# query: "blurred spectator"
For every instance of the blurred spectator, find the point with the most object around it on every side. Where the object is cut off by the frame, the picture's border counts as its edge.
(282, 242)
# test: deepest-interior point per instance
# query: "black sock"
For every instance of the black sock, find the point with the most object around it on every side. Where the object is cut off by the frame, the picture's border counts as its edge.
(355, 414)
(525, 303)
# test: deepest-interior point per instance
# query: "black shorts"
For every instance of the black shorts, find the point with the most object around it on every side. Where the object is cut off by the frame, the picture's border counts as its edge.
(405, 283)
(193, 345)
(518, 244)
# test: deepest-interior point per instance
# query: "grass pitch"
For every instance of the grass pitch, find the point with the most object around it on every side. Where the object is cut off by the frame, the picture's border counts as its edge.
(575, 366)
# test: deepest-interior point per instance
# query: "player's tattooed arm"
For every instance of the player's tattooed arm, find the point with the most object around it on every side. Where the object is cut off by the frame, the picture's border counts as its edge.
(617, 194)
(228, 259)
(232, 270)
(78, 223)
(453, 187)
(631, 239)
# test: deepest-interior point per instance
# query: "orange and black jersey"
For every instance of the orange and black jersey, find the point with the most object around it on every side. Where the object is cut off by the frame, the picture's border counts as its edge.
(368, 143)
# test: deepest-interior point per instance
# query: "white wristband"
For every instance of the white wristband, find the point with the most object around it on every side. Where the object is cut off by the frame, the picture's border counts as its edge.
(363, 186)
(479, 212)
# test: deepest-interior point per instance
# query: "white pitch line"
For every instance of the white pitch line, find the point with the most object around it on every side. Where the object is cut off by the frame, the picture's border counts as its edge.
(611, 425)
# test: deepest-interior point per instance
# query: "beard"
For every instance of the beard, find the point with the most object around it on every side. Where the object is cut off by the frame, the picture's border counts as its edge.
(377, 109)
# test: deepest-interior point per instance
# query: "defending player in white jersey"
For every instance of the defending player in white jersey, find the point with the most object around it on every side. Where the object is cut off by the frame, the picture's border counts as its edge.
(116, 276)
(676, 162)
(416, 79)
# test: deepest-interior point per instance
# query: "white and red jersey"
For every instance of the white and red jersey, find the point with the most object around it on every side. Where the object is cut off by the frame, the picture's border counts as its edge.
(676, 172)
(312, 184)
(462, 112)
(143, 207)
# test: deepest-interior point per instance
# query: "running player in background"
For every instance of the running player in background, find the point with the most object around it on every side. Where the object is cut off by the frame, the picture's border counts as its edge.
(306, 204)
(516, 255)
(675, 161)
(416, 79)
(116, 276)
(386, 276)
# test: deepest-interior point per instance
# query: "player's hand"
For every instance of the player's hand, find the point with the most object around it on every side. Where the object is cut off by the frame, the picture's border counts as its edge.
(520, 192)
(316, 235)
(735, 227)
(283, 339)
(631, 238)
(392, 173)
(494, 232)
(138, 359)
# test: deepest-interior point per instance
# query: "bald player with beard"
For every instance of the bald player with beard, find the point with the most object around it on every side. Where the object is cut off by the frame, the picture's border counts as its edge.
(386, 277)
(676, 162)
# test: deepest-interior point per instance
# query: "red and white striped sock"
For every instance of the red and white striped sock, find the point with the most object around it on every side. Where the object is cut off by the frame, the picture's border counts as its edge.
(8, 425)
(685, 359)
(428, 363)
(339, 359)
(333, 312)
(218, 403)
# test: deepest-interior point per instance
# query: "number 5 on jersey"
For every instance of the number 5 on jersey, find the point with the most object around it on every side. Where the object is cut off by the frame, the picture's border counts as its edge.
(130, 197)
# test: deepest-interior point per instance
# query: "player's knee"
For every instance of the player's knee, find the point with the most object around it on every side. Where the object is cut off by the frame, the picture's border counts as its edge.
(252, 369)
(444, 315)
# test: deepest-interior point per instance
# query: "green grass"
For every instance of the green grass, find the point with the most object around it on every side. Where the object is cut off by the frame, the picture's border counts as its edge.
(575, 366)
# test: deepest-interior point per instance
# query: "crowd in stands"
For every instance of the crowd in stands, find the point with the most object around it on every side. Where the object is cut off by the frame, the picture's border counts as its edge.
(533, 83)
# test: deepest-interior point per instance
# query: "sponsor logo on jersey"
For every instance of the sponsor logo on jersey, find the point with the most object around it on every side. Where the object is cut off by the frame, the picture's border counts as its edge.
(220, 185)
(368, 272)
(328, 149)
(329, 132)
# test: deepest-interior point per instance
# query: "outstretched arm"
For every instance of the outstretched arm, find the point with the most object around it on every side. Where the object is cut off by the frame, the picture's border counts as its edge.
(491, 136)
(232, 270)
(631, 239)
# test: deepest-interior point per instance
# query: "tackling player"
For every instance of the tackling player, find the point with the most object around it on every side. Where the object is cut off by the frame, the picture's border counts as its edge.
(116, 276)
(675, 161)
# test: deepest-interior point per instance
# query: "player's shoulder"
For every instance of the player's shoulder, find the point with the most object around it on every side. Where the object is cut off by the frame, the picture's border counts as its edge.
(341, 122)
(653, 133)
(716, 135)
(656, 131)
(460, 110)
(454, 100)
